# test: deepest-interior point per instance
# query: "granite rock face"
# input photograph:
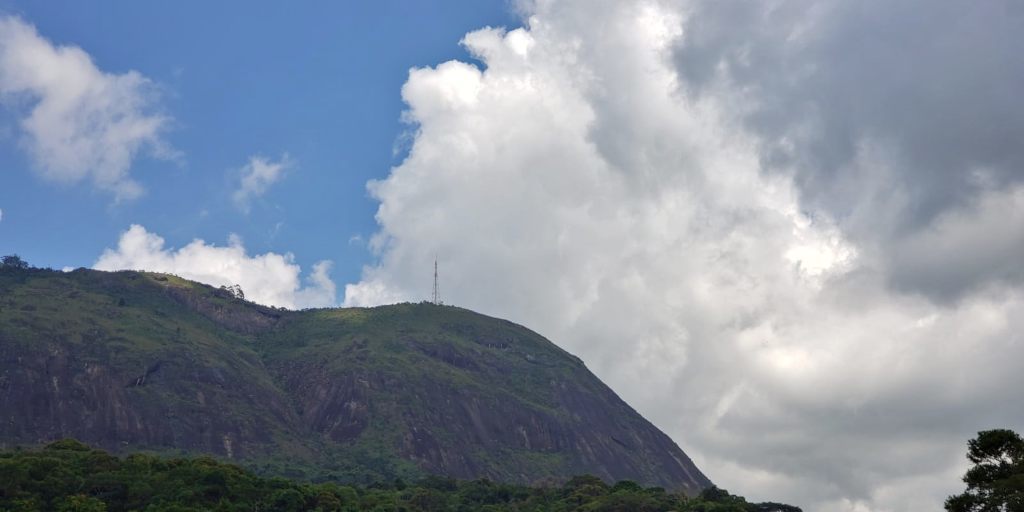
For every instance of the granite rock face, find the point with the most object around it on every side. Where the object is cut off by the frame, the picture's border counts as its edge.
(132, 360)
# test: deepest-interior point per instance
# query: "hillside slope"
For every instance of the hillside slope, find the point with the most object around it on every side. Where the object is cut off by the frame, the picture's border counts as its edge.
(133, 360)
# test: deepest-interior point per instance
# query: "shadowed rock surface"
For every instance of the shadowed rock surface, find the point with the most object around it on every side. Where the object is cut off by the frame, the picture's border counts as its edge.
(133, 360)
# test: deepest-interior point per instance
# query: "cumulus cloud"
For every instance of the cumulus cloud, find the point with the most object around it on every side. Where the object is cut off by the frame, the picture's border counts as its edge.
(612, 177)
(271, 279)
(78, 122)
(256, 178)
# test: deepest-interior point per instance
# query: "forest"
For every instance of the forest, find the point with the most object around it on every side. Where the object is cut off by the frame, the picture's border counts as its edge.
(67, 475)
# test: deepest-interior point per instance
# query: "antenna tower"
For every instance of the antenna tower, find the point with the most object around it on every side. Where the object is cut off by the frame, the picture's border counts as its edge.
(437, 294)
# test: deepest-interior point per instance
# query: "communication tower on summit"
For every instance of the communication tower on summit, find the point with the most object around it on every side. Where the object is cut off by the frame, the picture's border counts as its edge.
(437, 294)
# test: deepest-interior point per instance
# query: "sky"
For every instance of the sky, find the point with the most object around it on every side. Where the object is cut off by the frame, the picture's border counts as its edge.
(789, 233)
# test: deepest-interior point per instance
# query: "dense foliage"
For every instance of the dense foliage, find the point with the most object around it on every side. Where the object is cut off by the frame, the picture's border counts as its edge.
(69, 476)
(996, 481)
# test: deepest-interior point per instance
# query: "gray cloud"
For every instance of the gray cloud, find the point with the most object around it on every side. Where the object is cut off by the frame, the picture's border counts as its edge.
(891, 114)
(964, 249)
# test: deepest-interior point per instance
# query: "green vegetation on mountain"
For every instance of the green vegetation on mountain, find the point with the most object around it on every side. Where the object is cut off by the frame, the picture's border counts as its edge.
(138, 361)
(69, 476)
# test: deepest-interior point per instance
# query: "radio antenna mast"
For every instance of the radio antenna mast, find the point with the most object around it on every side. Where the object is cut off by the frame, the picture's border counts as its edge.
(437, 294)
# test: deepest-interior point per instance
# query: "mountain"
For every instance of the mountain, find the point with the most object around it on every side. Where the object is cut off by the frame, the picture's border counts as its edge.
(134, 361)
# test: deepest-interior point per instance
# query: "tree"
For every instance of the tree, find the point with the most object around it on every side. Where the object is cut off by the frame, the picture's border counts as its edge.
(234, 291)
(13, 261)
(771, 506)
(996, 481)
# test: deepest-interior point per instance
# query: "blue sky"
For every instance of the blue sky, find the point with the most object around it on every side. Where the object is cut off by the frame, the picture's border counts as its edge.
(320, 84)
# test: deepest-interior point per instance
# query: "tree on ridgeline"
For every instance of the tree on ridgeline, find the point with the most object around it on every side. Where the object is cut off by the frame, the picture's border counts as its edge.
(234, 291)
(13, 261)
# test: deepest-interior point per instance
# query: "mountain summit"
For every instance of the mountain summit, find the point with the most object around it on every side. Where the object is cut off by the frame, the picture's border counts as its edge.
(144, 361)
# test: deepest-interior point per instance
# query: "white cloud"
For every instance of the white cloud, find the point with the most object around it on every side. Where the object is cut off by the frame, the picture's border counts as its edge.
(271, 279)
(319, 290)
(572, 186)
(1, 215)
(257, 177)
(79, 123)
